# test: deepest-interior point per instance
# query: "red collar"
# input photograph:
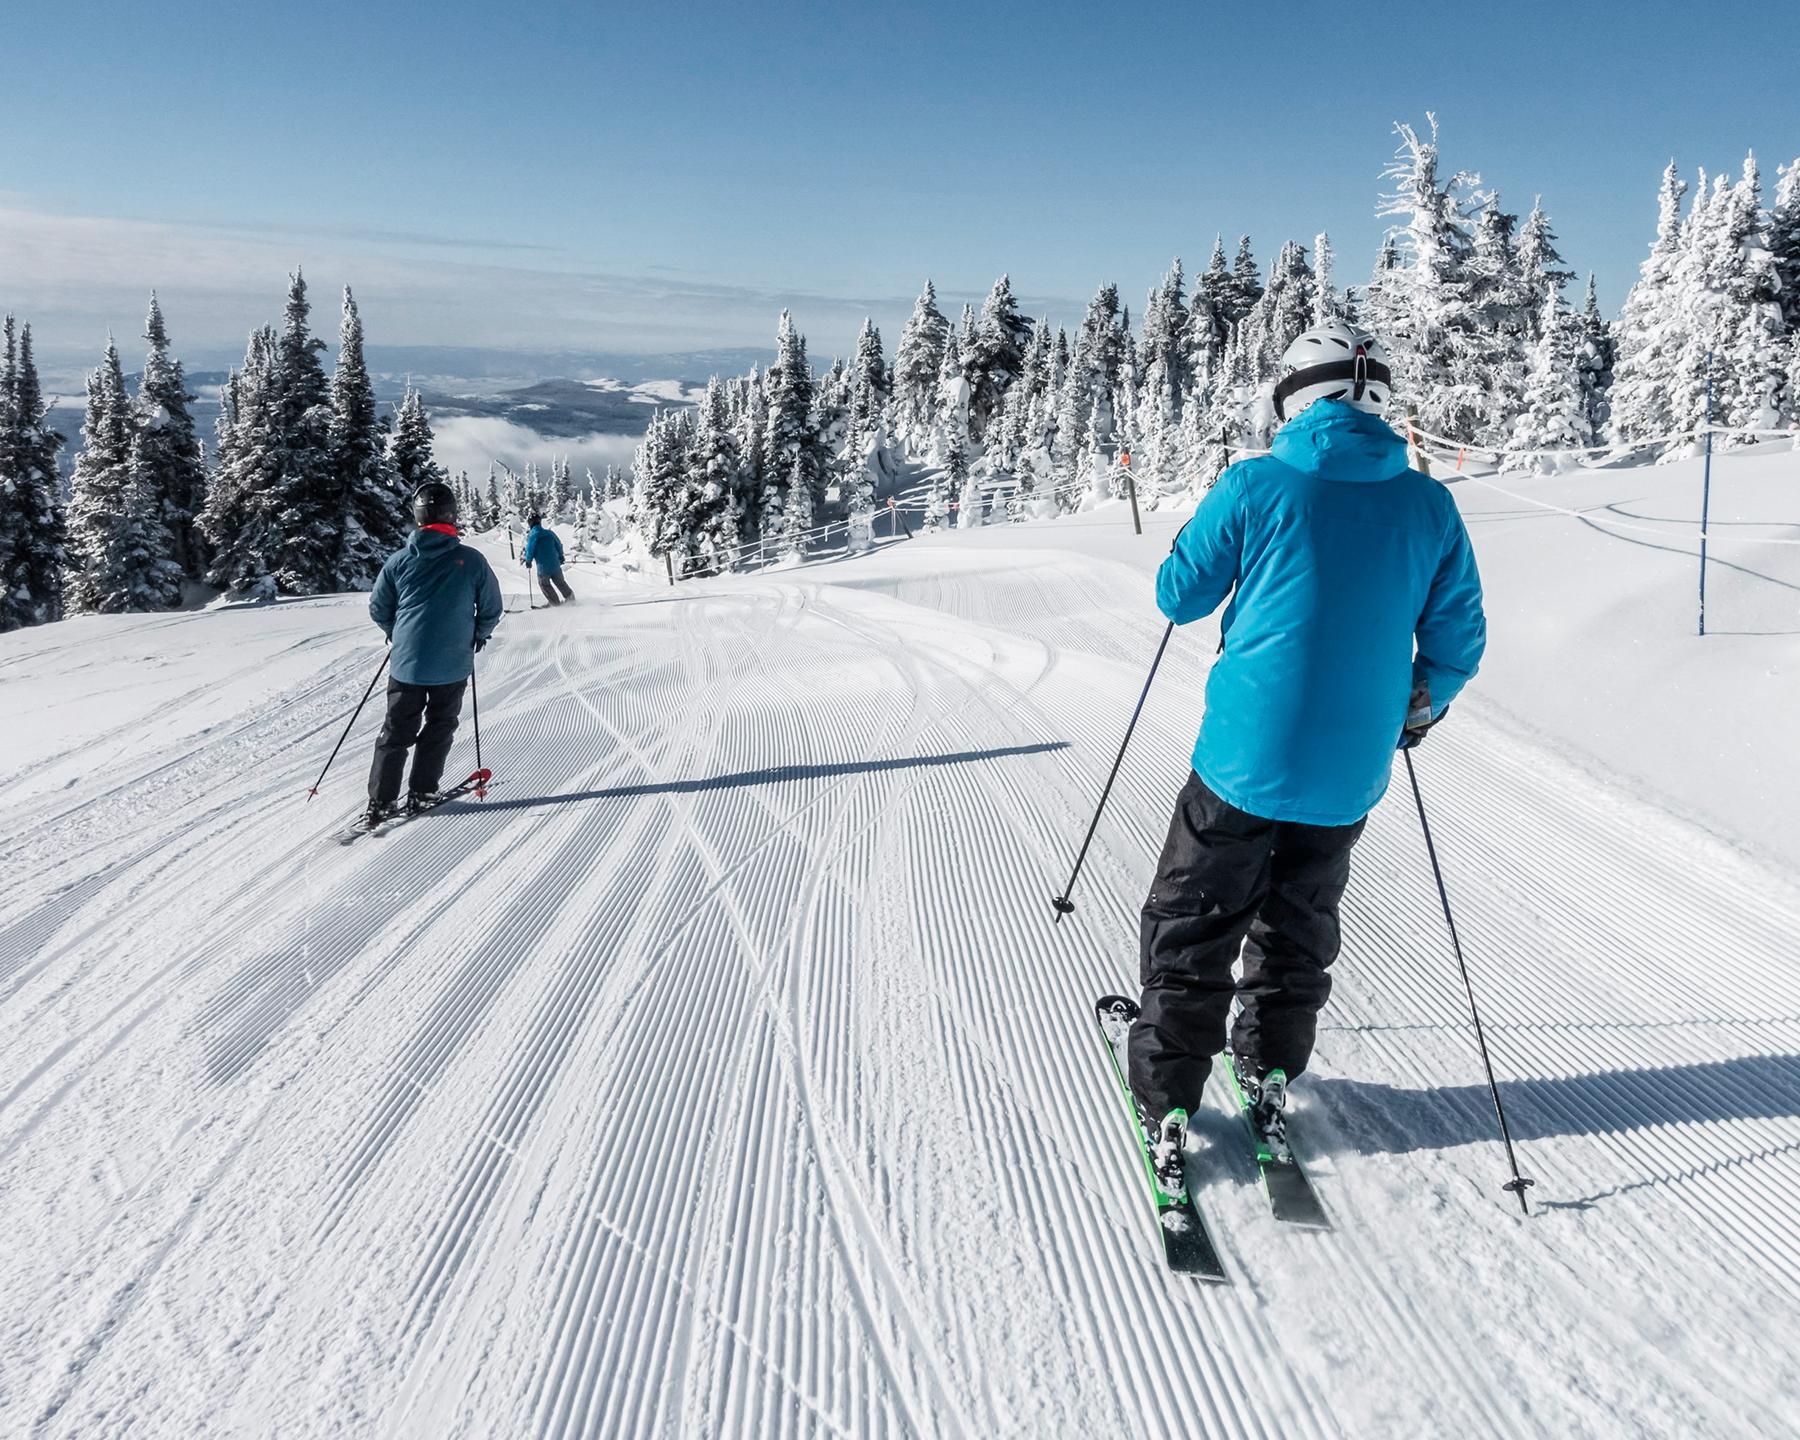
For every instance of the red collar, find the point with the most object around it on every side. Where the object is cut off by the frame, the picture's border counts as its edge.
(441, 528)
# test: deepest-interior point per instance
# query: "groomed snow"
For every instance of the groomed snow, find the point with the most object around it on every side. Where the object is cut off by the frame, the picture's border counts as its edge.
(723, 1074)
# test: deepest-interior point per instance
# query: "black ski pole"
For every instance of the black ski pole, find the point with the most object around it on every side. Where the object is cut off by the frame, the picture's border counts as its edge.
(346, 735)
(1519, 1183)
(1062, 903)
(475, 703)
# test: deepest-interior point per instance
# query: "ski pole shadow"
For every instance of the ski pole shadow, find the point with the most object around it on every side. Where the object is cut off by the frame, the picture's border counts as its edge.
(771, 775)
(1371, 1118)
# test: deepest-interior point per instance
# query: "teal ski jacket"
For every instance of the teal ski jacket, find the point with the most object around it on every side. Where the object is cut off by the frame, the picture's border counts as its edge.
(435, 599)
(1355, 582)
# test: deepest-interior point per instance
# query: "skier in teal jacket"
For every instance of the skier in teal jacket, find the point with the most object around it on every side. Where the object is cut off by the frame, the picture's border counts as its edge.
(543, 548)
(437, 601)
(1355, 619)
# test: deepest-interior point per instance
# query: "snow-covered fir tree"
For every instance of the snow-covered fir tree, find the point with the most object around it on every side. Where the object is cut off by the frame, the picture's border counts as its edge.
(103, 472)
(1326, 305)
(240, 521)
(168, 449)
(137, 571)
(305, 484)
(994, 355)
(713, 509)
(375, 518)
(409, 445)
(1423, 303)
(797, 518)
(32, 523)
(1594, 359)
(1555, 417)
(662, 496)
(1648, 332)
(789, 443)
(916, 364)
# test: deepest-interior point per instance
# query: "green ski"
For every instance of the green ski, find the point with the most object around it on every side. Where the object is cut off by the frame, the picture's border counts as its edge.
(1291, 1195)
(1187, 1244)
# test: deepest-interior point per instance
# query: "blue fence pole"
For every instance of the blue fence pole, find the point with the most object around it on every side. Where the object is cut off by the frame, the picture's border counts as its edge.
(1705, 492)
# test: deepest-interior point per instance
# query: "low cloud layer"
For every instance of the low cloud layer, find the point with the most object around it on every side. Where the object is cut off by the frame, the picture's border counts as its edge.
(79, 277)
(470, 442)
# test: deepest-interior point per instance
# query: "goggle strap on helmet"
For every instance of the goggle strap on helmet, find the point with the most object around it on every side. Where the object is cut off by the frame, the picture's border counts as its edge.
(1361, 372)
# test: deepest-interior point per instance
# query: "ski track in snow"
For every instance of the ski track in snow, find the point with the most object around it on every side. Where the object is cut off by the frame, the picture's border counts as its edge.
(722, 1074)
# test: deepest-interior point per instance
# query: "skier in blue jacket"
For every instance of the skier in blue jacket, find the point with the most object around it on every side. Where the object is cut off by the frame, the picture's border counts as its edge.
(542, 546)
(437, 601)
(1356, 620)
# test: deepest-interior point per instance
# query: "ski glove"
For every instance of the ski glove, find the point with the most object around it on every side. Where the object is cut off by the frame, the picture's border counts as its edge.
(480, 640)
(1419, 718)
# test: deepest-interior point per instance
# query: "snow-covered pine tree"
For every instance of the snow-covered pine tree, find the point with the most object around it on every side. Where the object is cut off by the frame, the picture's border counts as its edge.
(788, 439)
(1649, 331)
(1421, 303)
(32, 524)
(1748, 332)
(869, 381)
(137, 571)
(1246, 283)
(1594, 359)
(916, 365)
(1555, 415)
(375, 519)
(1163, 353)
(1540, 267)
(797, 518)
(240, 521)
(409, 446)
(753, 424)
(1283, 311)
(168, 450)
(491, 507)
(714, 518)
(662, 496)
(1326, 305)
(102, 473)
(556, 502)
(1784, 243)
(1505, 321)
(305, 483)
(994, 356)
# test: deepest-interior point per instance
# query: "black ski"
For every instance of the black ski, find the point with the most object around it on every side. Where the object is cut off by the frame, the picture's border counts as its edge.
(476, 784)
(1292, 1198)
(1187, 1244)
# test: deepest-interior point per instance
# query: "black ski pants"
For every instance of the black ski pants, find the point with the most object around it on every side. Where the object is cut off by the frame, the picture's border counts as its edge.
(420, 718)
(1230, 881)
(550, 584)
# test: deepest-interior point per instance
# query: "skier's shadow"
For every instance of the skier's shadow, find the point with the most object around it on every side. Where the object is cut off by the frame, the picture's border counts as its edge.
(771, 775)
(1371, 1118)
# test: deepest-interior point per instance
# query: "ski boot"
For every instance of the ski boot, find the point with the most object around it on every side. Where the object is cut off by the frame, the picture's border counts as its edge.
(1166, 1167)
(1266, 1101)
(378, 812)
(419, 801)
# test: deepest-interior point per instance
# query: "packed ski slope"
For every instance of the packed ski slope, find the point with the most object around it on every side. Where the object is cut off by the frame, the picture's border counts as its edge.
(723, 1075)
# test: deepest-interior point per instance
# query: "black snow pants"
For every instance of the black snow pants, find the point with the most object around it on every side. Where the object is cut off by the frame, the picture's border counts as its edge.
(550, 584)
(420, 718)
(1230, 881)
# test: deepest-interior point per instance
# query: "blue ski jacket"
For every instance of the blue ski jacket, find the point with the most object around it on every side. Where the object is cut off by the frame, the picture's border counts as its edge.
(434, 599)
(1355, 582)
(544, 549)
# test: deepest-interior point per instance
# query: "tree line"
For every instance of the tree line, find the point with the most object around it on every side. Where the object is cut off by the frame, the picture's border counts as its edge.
(306, 491)
(999, 415)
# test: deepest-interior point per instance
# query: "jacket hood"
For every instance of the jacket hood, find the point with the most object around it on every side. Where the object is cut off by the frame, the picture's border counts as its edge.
(428, 541)
(1336, 441)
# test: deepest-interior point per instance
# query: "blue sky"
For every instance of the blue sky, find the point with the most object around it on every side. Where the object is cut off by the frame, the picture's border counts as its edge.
(668, 176)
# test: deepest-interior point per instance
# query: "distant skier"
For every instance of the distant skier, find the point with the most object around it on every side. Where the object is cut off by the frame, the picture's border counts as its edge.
(542, 546)
(1356, 621)
(437, 601)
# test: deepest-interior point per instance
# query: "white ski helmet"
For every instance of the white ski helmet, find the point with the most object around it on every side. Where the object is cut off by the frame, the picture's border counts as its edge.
(1333, 361)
